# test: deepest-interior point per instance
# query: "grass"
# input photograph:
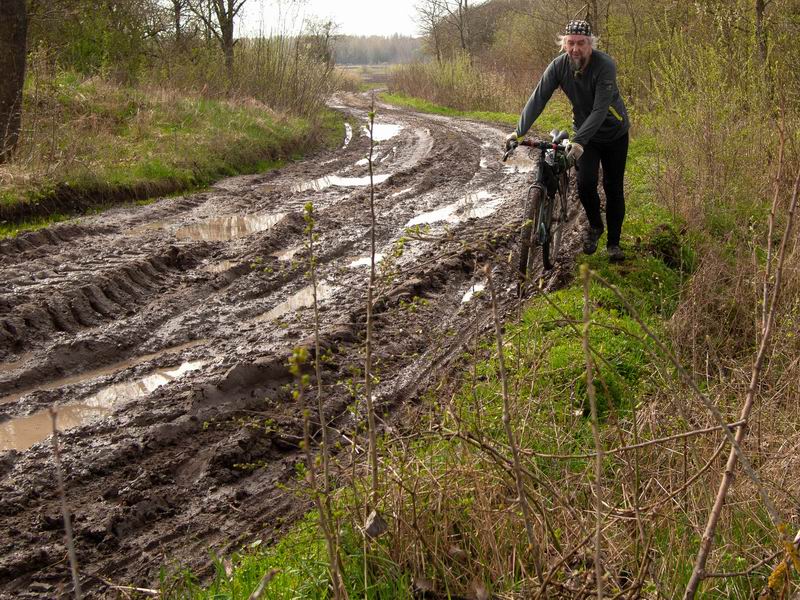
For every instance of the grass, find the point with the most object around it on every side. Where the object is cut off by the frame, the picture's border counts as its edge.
(91, 140)
(300, 560)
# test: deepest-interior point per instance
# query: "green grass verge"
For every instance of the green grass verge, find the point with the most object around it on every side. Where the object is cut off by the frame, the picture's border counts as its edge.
(111, 140)
(299, 560)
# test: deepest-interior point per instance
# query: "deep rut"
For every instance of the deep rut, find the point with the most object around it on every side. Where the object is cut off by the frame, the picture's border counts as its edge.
(208, 292)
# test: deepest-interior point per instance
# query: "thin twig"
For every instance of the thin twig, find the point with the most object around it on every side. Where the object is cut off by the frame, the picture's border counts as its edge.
(523, 496)
(598, 444)
(70, 540)
(373, 442)
(736, 453)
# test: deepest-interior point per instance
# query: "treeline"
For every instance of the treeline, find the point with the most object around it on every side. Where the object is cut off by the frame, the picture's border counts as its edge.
(516, 39)
(375, 49)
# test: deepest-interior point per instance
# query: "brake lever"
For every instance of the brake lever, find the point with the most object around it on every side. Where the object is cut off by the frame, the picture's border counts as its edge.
(509, 152)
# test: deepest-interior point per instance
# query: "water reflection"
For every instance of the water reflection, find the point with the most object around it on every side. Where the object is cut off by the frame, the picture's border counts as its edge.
(95, 373)
(382, 131)
(220, 267)
(222, 229)
(22, 433)
(475, 205)
(302, 299)
(471, 292)
(366, 261)
(334, 180)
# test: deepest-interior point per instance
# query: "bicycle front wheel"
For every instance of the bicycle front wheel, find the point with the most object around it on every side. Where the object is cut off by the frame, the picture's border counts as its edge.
(558, 222)
(544, 230)
(528, 233)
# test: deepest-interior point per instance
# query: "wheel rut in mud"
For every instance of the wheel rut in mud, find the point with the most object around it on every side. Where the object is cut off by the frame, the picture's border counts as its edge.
(160, 333)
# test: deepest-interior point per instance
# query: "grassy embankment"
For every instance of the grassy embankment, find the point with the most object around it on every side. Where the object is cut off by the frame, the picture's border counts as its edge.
(91, 144)
(458, 488)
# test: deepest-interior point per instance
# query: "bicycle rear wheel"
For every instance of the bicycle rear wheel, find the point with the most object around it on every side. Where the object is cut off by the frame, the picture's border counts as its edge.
(529, 230)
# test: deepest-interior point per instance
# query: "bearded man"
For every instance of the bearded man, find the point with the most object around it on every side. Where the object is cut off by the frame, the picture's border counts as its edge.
(588, 77)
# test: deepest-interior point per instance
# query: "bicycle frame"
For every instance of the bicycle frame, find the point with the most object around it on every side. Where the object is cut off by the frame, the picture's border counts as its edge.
(550, 181)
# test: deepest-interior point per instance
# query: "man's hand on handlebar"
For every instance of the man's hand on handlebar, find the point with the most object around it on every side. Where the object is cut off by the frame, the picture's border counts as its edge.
(574, 152)
(512, 141)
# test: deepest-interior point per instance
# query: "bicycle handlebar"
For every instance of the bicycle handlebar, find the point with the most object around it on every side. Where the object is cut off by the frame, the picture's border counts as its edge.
(539, 144)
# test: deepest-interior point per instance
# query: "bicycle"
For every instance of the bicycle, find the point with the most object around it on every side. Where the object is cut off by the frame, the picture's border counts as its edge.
(547, 193)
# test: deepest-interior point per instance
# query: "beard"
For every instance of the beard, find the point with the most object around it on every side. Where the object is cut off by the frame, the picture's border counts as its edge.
(577, 64)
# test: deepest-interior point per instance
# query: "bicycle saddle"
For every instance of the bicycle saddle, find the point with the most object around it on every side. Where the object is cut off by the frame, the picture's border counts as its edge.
(558, 136)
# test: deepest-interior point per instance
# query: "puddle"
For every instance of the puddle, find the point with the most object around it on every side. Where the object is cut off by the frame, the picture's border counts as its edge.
(375, 158)
(401, 192)
(382, 131)
(334, 180)
(519, 163)
(434, 216)
(302, 299)
(473, 206)
(95, 373)
(221, 266)
(222, 229)
(348, 134)
(389, 154)
(475, 289)
(22, 433)
(476, 208)
(365, 261)
(289, 253)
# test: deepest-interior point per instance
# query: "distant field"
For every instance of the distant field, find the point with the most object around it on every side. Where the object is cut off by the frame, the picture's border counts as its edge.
(369, 73)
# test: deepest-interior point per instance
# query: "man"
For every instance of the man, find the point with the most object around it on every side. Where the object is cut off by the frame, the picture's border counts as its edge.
(588, 77)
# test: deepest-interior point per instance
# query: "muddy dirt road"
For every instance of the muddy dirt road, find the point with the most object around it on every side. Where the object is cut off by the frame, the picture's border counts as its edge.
(159, 332)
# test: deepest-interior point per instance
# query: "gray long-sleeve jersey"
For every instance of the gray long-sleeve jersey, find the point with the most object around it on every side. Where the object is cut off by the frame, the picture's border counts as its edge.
(597, 108)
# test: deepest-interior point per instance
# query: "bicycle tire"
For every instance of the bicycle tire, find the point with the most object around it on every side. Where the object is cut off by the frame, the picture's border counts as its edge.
(556, 229)
(544, 229)
(528, 230)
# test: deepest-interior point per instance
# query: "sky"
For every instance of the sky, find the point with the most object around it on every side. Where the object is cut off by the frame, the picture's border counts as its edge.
(354, 17)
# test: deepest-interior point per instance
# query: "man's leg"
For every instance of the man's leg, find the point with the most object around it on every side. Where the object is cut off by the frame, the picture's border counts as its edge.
(613, 156)
(588, 167)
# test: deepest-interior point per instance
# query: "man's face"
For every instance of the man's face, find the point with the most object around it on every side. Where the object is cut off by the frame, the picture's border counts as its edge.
(579, 49)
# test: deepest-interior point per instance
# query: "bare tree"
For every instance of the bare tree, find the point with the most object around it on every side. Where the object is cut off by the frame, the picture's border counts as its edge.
(13, 38)
(457, 14)
(429, 19)
(178, 15)
(219, 17)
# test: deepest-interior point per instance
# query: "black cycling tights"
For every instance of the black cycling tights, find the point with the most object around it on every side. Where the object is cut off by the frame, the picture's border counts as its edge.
(612, 155)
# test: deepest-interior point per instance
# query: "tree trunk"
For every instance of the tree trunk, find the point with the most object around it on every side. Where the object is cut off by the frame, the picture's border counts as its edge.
(227, 46)
(177, 6)
(761, 36)
(13, 39)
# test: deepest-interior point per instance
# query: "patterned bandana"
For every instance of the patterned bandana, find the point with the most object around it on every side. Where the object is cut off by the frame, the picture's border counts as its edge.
(578, 28)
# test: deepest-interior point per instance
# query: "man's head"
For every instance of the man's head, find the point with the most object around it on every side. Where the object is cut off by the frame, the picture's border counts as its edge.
(578, 41)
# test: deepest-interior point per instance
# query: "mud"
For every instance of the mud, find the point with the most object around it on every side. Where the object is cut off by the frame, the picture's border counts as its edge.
(216, 280)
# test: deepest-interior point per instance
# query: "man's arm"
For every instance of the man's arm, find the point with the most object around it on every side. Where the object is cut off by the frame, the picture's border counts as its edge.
(603, 95)
(538, 100)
